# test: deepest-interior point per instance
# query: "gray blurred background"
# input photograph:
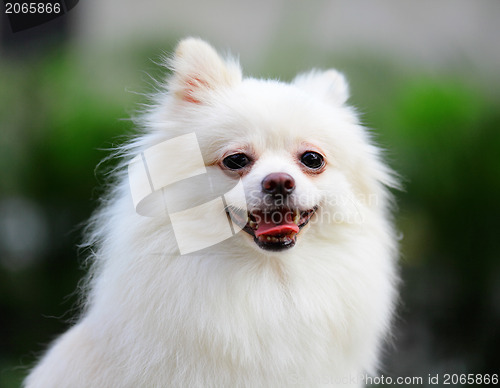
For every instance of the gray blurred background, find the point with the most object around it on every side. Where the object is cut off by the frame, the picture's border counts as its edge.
(424, 74)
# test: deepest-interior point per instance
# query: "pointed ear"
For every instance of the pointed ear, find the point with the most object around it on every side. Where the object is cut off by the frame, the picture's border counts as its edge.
(198, 69)
(330, 85)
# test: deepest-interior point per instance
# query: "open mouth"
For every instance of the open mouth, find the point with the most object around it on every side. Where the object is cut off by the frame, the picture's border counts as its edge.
(274, 229)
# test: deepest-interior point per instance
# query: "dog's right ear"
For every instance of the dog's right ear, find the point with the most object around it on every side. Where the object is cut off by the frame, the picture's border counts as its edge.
(198, 70)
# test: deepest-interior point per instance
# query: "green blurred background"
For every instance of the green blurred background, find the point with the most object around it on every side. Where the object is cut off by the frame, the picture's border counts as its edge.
(424, 77)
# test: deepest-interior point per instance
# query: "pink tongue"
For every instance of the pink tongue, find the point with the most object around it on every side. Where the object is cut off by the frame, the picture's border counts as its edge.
(268, 227)
(276, 229)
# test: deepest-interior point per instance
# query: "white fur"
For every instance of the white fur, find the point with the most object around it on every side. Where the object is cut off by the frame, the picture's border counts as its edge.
(234, 315)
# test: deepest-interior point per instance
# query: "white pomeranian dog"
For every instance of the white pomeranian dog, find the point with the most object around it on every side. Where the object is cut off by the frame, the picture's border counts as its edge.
(247, 242)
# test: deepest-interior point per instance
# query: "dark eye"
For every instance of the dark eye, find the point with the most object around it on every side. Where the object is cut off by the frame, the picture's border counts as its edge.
(236, 161)
(312, 160)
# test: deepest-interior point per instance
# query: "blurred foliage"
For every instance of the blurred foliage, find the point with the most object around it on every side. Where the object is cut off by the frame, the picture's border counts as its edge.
(55, 122)
(446, 140)
(442, 135)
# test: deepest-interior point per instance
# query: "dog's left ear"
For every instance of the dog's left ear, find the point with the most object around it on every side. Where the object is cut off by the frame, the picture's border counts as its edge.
(198, 70)
(330, 85)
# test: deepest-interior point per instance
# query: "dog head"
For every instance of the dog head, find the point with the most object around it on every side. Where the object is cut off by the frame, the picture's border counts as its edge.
(298, 149)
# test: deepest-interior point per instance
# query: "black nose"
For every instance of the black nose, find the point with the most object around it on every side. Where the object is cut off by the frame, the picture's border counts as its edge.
(278, 183)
